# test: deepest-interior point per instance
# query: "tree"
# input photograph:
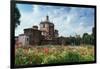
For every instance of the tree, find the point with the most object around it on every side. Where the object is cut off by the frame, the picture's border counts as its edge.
(72, 40)
(78, 40)
(84, 38)
(87, 39)
(17, 16)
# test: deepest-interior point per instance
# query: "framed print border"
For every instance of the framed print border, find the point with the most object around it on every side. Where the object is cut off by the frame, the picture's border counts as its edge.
(12, 33)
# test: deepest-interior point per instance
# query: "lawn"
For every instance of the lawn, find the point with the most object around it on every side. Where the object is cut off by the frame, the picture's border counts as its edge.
(52, 54)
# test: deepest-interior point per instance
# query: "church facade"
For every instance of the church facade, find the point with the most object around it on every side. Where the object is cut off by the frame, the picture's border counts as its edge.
(46, 34)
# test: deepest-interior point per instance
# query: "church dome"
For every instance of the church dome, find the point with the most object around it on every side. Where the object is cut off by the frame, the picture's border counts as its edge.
(47, 21)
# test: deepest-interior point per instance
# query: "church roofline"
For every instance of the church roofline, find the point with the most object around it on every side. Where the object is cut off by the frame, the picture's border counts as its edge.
(31, 29)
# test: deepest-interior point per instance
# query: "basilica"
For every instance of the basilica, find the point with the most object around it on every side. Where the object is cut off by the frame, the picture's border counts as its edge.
(45, 34)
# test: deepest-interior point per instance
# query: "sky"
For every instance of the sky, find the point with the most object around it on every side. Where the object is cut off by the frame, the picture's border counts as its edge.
(69, 21)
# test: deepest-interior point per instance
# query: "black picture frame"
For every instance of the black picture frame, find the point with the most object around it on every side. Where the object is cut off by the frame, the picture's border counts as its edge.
(12, 33)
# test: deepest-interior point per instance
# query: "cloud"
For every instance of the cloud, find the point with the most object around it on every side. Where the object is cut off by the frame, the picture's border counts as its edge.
(67, 20)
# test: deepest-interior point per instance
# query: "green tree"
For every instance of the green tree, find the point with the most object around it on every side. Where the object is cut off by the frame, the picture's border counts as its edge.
(87, 39)
(72, 40)
(84, 38)
(17, 16)
(78, 40)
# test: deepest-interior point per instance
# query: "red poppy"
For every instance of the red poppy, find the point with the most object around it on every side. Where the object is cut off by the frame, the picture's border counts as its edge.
(46, 50)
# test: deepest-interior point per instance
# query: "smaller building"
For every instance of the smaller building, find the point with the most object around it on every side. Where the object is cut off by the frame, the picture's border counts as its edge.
(34, 35)
(23, 39)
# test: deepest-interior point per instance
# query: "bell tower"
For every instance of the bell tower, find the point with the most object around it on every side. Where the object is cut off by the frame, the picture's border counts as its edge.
(47, 29)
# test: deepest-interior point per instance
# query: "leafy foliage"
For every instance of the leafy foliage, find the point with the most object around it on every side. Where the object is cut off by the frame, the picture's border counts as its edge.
(17, 17)
(53, 54)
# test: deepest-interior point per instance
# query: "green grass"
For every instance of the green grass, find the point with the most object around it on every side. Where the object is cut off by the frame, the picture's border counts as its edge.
(53, 54)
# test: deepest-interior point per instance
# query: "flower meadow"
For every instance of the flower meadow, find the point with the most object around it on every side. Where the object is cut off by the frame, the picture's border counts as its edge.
(53, 54)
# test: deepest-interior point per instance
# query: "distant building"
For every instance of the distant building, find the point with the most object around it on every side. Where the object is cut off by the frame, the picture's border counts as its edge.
(45, 35)
(23, 39)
